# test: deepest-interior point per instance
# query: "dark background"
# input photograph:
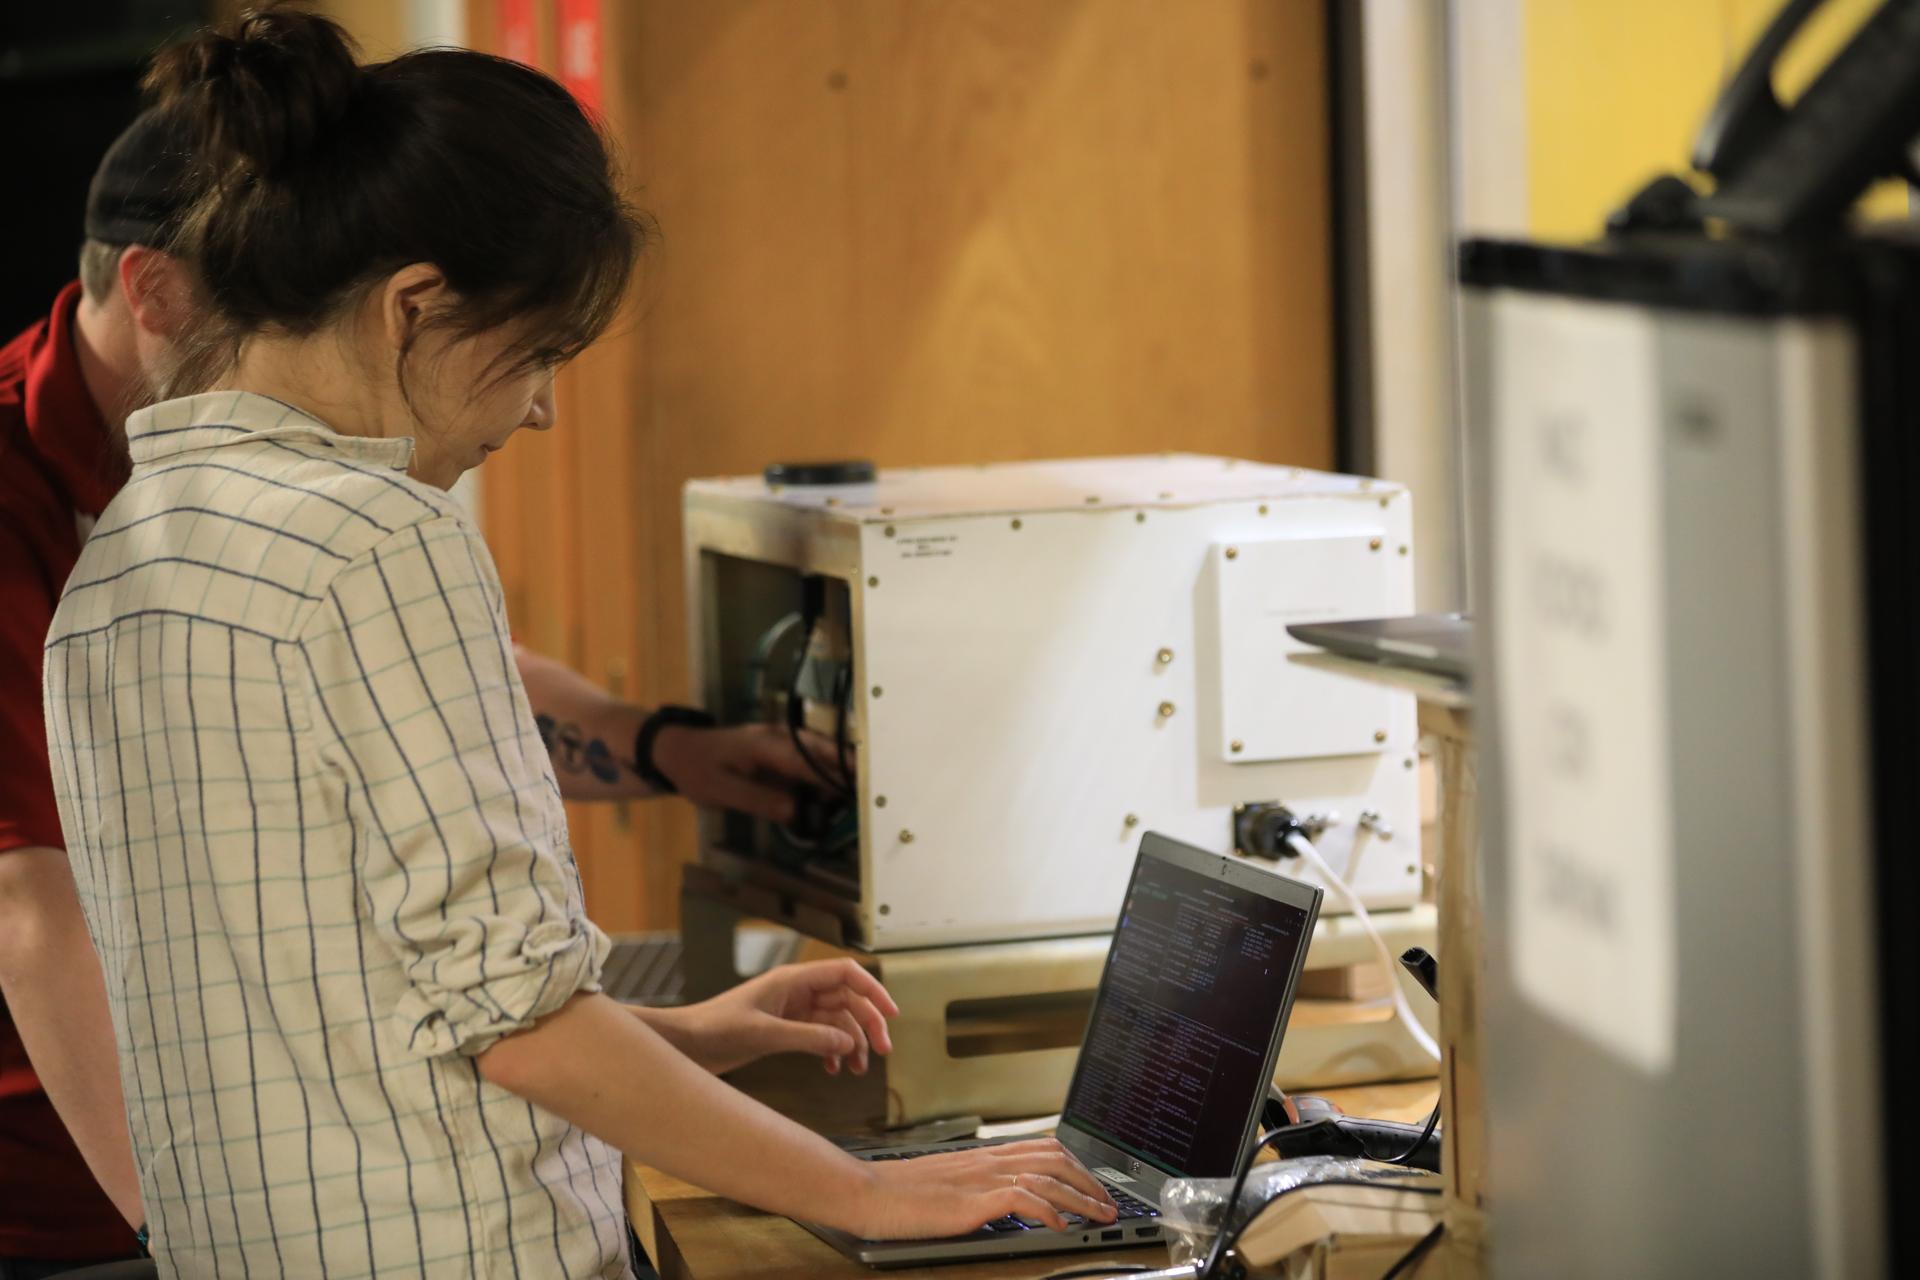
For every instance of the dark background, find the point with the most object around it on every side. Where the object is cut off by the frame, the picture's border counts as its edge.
(69, 83)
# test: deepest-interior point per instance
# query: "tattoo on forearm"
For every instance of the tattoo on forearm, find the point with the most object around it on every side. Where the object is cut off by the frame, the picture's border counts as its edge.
(576, 753)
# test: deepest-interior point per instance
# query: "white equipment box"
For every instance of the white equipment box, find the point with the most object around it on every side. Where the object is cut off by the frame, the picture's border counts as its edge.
(1037, 662)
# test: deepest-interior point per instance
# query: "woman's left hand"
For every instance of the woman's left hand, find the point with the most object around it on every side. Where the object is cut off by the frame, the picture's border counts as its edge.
(833, 1009)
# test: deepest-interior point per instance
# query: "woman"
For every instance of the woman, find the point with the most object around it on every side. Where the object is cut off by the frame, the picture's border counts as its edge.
(319, 844)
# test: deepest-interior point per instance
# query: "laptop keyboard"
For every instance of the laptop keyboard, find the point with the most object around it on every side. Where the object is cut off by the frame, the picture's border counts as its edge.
(1132, 1208)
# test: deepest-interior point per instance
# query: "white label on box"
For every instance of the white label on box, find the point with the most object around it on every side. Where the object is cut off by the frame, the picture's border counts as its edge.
(1273, 709)
(1580, 635)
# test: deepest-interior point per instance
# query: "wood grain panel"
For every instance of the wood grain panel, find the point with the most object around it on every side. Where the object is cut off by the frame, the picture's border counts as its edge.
(920, 233)
(619, 568)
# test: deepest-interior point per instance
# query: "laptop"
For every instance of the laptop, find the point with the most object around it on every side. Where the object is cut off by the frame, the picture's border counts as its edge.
(1178, 1054)
(1441, 643)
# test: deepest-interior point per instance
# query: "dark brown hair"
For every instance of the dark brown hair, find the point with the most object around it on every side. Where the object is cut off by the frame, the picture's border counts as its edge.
(319, 177)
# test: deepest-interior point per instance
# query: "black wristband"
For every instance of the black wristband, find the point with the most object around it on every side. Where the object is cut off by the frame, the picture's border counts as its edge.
(665, 717)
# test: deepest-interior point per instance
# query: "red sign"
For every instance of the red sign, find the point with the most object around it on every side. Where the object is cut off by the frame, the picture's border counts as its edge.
(519, 31)
(580, 50)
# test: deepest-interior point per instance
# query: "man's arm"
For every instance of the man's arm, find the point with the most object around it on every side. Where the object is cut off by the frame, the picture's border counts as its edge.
(590, 735)
(49, 973)
(51, 978)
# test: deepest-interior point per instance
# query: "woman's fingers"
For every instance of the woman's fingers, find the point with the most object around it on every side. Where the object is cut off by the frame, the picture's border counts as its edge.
(1060, 1166)
(826, 976)
(844, 1020)
(957, 1191)
(1064, 1197)
(1043, 1166)
(871, 1023)
(1026, 1203)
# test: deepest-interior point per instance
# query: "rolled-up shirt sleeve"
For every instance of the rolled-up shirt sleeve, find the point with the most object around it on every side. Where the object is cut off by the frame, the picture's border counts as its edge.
(458, 838)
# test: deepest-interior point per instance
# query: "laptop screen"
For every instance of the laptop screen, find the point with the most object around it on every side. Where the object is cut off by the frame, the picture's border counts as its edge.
(1194, 985)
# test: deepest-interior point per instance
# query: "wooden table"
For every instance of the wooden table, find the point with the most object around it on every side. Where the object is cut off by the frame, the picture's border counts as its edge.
(692, 1234)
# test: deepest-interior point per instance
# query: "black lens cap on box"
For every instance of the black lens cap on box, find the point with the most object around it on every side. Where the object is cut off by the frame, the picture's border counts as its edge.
(804, 474)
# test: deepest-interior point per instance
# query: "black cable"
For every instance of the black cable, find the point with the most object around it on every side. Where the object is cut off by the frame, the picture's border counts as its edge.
(1419, 1251)
(843, 694)
(1219, 1249)
(796, 711)
(1433, 1119)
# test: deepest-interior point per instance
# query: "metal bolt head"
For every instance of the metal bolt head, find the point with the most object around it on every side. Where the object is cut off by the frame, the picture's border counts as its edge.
(877, 691)
(885, 910)
(1016, 526)
(1407, 763)
(1139, 517)
(1166, 709)
(1163, 657)
(879, 802)
(1093, 499)
(906, 836)
(886, 511)
(873, 582)
(1379, 735)
(888, 531)
(1236, 746)
(1133, 820)
(1263, 508)
(1403, 548)
(1233, 553)
(1384, 501)
(1373, 544)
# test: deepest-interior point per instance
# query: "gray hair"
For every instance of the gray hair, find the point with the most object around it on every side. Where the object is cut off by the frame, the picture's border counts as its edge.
(100, 269)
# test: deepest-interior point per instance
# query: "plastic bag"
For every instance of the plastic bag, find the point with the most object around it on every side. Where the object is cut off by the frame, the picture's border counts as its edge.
(1190, 1208)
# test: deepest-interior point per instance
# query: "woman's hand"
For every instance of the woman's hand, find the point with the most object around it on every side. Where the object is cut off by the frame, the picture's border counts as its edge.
(833, 1009)
(958, 1191)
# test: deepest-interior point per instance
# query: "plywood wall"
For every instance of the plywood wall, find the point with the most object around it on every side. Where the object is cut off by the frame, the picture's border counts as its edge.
(917, 231)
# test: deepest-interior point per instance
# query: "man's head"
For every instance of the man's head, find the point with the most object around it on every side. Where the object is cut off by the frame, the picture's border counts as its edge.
(137, 296)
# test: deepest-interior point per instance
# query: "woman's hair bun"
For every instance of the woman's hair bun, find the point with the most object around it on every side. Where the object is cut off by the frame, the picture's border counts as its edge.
(264, 94)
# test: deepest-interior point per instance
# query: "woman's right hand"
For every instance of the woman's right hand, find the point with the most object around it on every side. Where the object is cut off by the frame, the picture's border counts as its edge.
(952, 1193)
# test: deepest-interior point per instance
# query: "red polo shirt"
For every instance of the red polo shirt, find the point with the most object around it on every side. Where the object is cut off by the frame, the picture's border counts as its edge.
(57, 463)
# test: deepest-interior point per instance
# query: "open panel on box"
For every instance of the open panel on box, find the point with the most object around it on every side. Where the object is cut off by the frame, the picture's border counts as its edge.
(778, 652)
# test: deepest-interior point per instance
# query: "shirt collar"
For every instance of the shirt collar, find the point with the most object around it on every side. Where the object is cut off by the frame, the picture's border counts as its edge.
(217, 418)
(67, 429)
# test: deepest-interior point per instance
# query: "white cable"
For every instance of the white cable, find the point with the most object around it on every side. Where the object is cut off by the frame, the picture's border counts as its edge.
(1304, 847)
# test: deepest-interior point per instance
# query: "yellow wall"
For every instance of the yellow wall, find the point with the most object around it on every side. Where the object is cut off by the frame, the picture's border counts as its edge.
(1617, 89)
(380, 26)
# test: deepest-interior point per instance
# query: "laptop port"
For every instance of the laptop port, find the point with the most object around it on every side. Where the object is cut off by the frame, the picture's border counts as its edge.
(1112, 1235)
(1145, 1231)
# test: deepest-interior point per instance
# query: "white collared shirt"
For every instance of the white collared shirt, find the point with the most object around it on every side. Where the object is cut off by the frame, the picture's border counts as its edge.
(323, 856)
